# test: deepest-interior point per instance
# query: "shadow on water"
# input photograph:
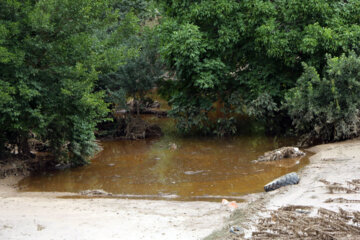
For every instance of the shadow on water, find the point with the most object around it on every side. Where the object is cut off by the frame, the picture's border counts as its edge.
(174, 168)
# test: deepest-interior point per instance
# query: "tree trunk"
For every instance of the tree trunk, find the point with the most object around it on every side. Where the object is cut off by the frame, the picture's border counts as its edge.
(138, 108)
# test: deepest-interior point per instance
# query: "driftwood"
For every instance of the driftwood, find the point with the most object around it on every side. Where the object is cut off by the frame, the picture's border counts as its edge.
(300, 222)
(95, 193)
(294, 222)
(284, 152)
(146, 106)
(156, 112)
(352, 186)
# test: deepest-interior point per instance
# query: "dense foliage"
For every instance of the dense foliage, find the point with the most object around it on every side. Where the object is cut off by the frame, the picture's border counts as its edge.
(327, 108)
(246, 55)
(51, 53)
(138, 75)
(64, 64)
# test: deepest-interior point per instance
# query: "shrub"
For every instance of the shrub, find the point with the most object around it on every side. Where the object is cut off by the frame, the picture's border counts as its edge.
(51, 53)
(251, 49)
(327, 109)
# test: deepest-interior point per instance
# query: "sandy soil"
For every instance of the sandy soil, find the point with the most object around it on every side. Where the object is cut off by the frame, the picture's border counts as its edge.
(335, 163)
(327, 182)
(44, 216)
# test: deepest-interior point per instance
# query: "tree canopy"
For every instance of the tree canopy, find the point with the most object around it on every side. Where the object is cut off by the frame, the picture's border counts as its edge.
(248, 54)
(51, 54)
(289, 64)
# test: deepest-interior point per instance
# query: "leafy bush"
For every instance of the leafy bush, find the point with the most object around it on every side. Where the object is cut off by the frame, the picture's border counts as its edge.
(51, 53)
(190, 112)
(327, 109)
(252, 49)
(139, 74)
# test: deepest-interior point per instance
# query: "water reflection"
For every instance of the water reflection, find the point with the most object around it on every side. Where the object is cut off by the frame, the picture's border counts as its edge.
(198, 168)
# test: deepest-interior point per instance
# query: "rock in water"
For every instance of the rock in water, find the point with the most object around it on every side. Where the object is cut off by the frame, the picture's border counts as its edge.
(284, 152)
(288, 179)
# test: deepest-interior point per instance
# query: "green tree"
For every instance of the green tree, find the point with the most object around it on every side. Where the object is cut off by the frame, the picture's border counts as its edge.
(327, 108)
(139, 74)
(51, 53)
(248, 54)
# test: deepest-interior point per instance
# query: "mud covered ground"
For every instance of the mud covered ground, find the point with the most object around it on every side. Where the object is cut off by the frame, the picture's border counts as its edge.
(324, 205)
(46, 216)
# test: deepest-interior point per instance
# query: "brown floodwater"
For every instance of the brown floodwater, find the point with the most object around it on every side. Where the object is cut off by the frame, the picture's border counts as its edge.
(198, 169)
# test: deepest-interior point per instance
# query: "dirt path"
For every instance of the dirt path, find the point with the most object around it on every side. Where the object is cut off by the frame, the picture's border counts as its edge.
(43, 216)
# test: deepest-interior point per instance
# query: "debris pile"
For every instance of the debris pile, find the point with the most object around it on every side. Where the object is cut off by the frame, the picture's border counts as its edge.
(352, 186)
(296, 222)
(95, 193)
(284, 152)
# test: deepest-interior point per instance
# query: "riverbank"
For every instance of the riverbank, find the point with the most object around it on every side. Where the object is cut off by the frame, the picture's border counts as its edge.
(330, 182)
(323, 184)
(46, 216)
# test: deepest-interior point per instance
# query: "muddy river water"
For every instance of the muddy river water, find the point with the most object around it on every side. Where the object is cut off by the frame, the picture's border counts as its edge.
(174, 168)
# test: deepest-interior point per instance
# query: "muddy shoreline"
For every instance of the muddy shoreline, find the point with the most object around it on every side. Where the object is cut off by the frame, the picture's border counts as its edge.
(328, 184)
(44, 215)
(47, 215)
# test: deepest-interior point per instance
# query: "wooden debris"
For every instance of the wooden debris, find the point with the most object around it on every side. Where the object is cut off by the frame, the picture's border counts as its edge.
(287, 223)
(341, 200)
(284, 152)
